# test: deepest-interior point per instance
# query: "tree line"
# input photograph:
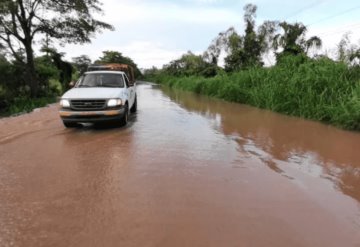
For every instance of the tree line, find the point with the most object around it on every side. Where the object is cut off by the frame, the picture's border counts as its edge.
(247, 50)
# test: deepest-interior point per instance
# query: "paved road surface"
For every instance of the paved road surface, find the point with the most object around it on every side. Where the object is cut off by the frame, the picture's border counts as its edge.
(187, 171)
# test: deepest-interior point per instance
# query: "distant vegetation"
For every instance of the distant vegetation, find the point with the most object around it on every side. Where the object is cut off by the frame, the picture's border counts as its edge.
(28, 81)
(299, 84)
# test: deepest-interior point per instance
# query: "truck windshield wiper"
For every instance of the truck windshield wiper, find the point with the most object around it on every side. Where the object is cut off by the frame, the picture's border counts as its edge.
(109, 86)
(84, 86)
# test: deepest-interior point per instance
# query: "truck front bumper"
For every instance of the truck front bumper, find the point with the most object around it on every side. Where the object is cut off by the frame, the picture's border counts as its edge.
(91, 116)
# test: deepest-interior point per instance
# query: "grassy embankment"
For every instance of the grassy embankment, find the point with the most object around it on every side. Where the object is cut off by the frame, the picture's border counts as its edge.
(320, 90)
(22, 104)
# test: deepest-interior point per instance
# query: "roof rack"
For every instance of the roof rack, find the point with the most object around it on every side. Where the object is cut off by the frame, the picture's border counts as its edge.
(114, 67)
(119, 67)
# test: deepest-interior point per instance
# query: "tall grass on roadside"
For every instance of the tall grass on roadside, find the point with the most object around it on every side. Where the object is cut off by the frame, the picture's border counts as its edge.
(23, 105)
(321, 90)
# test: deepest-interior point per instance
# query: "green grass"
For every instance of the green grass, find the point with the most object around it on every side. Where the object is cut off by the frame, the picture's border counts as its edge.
(321, 90)
(10, 105)
(23, 105)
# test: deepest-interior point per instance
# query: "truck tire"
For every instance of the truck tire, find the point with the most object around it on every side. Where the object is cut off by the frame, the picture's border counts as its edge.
(124, 119)
(134, 106)
(70, 124)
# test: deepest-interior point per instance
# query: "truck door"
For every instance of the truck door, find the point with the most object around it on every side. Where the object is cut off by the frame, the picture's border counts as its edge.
(131, 91)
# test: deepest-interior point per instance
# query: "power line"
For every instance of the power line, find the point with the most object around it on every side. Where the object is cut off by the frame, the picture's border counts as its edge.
(304, 9)
(340, 30)
(333, 16)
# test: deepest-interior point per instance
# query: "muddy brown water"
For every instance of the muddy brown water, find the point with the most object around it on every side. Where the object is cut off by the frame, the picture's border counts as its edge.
(187, 171)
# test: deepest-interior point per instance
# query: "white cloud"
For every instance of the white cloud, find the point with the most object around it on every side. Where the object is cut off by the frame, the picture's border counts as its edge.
(138, 11)
(156, 32)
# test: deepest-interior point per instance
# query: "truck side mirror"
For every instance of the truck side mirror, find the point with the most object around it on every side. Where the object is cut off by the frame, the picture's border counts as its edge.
(72, 84)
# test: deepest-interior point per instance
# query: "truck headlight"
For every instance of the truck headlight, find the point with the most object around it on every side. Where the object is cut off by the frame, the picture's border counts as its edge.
(114, 102)
(65, 103)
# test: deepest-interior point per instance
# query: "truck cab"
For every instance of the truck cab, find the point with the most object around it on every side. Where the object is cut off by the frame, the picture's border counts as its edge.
(103, 94)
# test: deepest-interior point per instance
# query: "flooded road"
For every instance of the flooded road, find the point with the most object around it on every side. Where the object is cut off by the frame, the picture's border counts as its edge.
(186, 171)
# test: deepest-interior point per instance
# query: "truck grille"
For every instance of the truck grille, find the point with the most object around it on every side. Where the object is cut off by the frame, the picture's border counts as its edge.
(88, 105)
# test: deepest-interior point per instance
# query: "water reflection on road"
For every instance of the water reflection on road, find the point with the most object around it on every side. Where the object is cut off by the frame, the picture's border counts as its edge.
(187, 171)
(284, 143)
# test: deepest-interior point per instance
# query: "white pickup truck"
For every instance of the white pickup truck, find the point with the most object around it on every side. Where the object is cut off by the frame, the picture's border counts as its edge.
(105, 94)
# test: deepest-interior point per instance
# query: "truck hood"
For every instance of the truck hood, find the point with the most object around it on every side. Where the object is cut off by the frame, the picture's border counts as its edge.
(93, 93)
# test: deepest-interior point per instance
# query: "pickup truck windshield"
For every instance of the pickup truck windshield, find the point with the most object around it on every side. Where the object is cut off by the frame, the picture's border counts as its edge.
(102, 80)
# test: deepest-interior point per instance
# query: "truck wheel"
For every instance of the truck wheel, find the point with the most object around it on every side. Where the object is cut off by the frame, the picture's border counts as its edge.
(134, 106)
(125, 117)
(70, 124)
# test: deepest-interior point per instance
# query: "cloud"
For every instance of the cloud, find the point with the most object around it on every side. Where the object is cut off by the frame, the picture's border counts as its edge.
(144, 11)
(156, 32)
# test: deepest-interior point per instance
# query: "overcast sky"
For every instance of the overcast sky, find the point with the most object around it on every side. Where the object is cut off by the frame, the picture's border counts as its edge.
(158, 31)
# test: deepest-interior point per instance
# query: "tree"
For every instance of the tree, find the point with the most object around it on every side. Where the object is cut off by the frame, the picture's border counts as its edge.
(348, 52)
(151, 73)
(190, 64)
(117, 57)
(47, 71)
(236, 54)
(252, 43)
(219, 44)
(65, 69)
(69, 21)
(81, 63)
(293, 40)
(243, 51)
